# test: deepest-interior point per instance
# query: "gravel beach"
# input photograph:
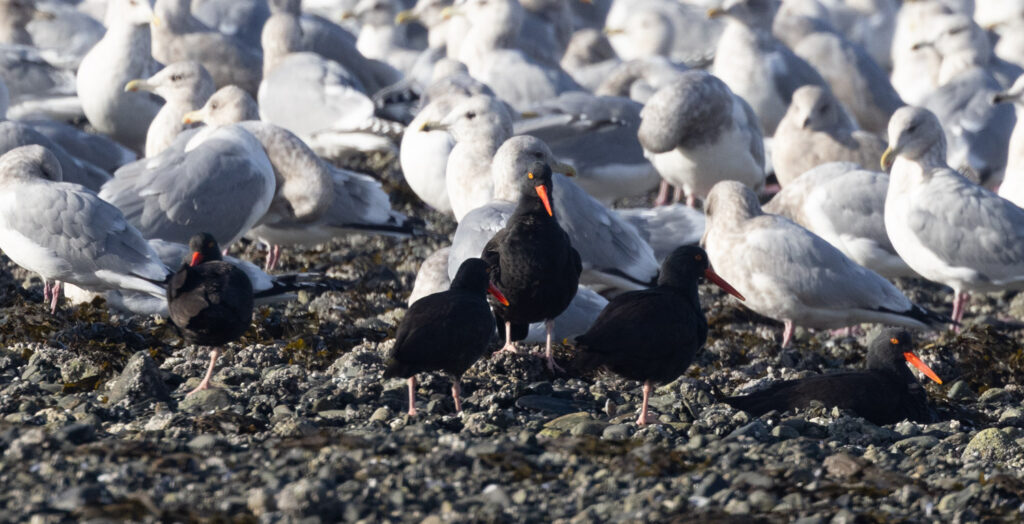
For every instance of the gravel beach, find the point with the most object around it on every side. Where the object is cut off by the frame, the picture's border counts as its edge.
(94, 425)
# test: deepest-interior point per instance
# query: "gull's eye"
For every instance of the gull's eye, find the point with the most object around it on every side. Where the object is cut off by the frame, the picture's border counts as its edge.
(176, 77)
(471, 115)
(214, 105)
(957, 31)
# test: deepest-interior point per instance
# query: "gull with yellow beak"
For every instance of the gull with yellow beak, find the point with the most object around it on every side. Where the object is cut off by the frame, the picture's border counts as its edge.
(947, 228)
(184, 86)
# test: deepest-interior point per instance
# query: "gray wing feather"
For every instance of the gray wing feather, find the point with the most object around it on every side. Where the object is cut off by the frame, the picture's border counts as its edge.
(475, 230)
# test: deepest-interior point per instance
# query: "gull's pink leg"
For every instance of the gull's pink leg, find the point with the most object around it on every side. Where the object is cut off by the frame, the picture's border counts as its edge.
(646, 418)
(55, 297)
(46, 292)
(960, 300)
(456, 394)
(412, 396)
(787, 333)
(205, 383)
(663, 193)
(691, 200)
(509, 345)
(273, 257)
(552, 366)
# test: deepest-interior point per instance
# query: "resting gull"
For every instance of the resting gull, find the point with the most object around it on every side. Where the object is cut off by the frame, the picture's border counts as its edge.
(816, 130)
(70, 235)
(215, 180)
(179, 36)
(184, 86)
(314, 201)
(792, 275)
(122, 55)
(757, 66)
(947, 228)
(844, 204)
(1012, 187)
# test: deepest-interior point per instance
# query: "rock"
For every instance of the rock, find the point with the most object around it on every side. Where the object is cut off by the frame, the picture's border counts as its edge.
(139, 381)
(921, 442)
(711, 484)
(617, 432)
(994, 395)
(737, 507)
(588, 427)
(79, 368)
(762, 500)
(78, 433)
(565, 423)
(205, 400)
(960, 391)
(259, 501)
(76, 498)
(381, 414)
(992, 444)
(547, 404)
(842, 465)
(206, 443)
(494, 494)
(751, 479)
(957, 501)
(784, 432)
(294, 427)
(301, 497)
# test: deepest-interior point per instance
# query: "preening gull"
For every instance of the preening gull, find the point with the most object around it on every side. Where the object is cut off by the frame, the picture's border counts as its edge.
(66, 233)
(816, 131)
(184, 86)
(16, 134)
(792, 275)
(947, 228)
(697, 132)
(844, 204)
(122, 55)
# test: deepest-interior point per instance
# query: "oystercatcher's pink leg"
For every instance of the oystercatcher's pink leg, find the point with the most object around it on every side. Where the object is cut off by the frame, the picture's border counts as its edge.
(205, 383)
(646, 418)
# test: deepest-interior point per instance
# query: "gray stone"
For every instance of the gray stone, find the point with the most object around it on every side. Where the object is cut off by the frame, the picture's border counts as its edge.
(495, 494)
(381, 414)
(294, 427)
(842, 465)
(922, 442)
(301, 497)
(785, 432)
(960, 391)
(957, 501)
(712, 483)
(617, 432)
(995, 395)
(752, 479)
(992, 444)
(547, 404)
(589, 427)
(79, 368)
(205, 443)
(762, 500)
(140, 380)
(737, 507)
(205, 400)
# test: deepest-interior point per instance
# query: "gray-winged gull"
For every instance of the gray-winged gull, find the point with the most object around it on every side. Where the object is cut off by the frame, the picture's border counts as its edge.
(816, 130)
(697, 132)
(432, 276)
(69, 234)
(844, 203)
(479, 125)
(16, 134)
(977, 132)
(489, 52)
(676, 30)
(315, 98)
(596, 135)
(756, 65)
(667, 227)
(640, 78)
(122, 55)
(179, 36)
(184, 86)
(792, 275)
(1012, 187)
(380, 38)
(945, 227)
(314, 201)
(242, 19)
(589, 59)
(215, 180)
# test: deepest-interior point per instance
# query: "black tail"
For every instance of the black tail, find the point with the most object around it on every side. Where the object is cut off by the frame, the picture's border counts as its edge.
(923, 315)
(289, 283)
(411, 226)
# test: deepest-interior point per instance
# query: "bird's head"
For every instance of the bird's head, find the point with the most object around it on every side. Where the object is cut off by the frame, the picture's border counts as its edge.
(891, 348)
(204, 248)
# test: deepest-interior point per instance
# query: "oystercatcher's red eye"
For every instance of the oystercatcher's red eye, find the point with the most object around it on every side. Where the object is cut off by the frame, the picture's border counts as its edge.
(530, 176)
(698, 257)
(895, 340)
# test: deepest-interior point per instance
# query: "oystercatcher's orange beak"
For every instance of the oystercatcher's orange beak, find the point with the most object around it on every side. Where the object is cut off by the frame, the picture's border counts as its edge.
(542, 192)
(917, 363)
(720, 282)
(497, 294)
(197, 258)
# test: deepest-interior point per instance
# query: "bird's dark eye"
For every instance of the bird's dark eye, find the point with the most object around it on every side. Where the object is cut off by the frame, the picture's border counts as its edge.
(176, 77)
(957, 30)
(471, 115)
(214, 105)
(538, 155)
(912, 128)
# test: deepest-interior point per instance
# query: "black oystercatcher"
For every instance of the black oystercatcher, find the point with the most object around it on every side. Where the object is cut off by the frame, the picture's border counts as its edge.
(533, 263)
(209, 300)
(652, 335)
(885, 393)
(446, 331)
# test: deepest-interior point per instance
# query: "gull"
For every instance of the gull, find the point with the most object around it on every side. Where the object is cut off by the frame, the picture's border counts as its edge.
(792, 275)
(184, 86)
(66, 233)
(947, 228)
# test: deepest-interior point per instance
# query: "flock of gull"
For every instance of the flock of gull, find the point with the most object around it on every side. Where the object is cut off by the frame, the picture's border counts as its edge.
(814, 149)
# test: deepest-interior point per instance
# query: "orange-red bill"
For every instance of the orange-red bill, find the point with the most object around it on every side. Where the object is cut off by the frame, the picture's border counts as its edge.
(720, 282)
(917, 363)
(497, 294)
(542, 192)
(197, 257)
